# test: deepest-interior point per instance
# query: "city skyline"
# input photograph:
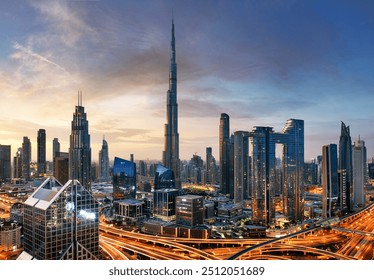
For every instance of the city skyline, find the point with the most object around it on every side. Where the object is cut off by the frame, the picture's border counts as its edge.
(259, 62)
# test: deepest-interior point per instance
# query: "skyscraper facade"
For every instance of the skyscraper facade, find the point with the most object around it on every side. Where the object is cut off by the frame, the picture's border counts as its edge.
(345, 169)
(104, 162)
(225, 157)
(55, 148)
(26, 158)
(17, 164)
(5, 164)
(171, 152)
(330, 188)
(124, 179)
(241, 167)
(359, 171)
(263, 161)
(61, 222)
(80, 148)
(41, 155)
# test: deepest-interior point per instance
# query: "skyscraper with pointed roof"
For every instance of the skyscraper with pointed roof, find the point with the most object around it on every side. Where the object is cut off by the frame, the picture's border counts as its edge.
(345, 168)
(170, 155)
(80, 148)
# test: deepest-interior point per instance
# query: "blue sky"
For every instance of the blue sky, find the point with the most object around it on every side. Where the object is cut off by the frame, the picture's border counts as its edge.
(261, 62)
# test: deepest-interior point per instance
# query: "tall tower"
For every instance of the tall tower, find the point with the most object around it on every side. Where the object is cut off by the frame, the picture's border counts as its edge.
(80, 149)
(26, 157)
(171, 153)
(359, 172)
(241, 160)
(329, 178)
(345, 168)
(104, 162)
(224, 153)
(41, 152)
(5, 163)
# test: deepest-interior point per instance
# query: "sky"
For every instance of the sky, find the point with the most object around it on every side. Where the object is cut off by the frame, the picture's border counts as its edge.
(261, 62)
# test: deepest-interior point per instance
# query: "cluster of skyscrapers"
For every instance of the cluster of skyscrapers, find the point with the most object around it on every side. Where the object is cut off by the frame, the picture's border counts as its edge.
(62, 214)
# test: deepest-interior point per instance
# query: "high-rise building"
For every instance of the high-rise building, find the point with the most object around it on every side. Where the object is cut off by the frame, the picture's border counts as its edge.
(359, 172)
(241, 160)
(330, 187)
(371, 169)
(263, 166)
(190, 210)
(104, 162)
(226, 157)
(26, 158)
(263, 141)
(345, 169)
(164, 178)
(80, 148)
(55, 148)
(5, 164)
(17, 164)
(41, 139)
(124, 179)
(171, 153)
(61, 167)
(209, 166)
(164, 204)
(61, 222)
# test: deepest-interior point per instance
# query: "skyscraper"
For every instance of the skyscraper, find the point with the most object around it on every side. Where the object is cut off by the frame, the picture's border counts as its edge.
(225, 149)
(330, 187)
(17, 164)
(171, 153)
(26, 158)
(5, 163)
(263, 141)
(210, 167)
(61, 222)
(241, 173)
(345, 168)
(55, 148)
(80, 148)
(124, 179)
(104, 162)
(359, 171)
(41, 139)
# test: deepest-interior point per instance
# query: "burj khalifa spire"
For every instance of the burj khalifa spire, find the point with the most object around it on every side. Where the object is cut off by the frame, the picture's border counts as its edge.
(171, 153)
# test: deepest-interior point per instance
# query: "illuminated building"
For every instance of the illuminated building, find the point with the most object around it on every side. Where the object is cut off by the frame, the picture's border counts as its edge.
(263, 141)
(241, 166)
(10, 236)
(164, 204)
(171, 153)
(164, 178)
(5, 166)
(26, 158)
(124, 179)
(359, 172)
(61, 222)
(330, 187)
(345, 168)
(80, 148)
(128, 210)
(41, 155)
(104, 162)
(190, 210)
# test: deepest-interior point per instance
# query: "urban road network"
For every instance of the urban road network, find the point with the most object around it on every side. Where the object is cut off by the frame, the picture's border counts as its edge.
(349, 238)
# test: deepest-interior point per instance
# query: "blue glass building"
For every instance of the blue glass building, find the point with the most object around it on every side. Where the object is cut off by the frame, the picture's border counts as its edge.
(164, 178)
(124, 179)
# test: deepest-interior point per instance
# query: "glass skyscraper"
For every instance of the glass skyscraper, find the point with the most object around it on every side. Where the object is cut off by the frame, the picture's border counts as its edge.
(345, 168)
(80, 147)
(42, 164)
(104, 162)
(329, 179)
(226, 157)
(61, 222)
(164, 178)
(263, 141)
(241, 165)
(26, 158)
(124, 179)
(5, 163)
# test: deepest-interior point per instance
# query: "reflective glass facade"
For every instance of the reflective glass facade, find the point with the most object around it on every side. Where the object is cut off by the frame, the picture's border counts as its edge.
(124, 179)
(61, 222)
(164, 204)
(264, 140)
(164, 178)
